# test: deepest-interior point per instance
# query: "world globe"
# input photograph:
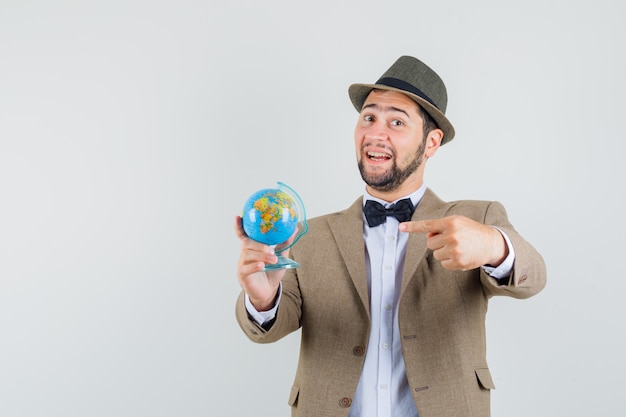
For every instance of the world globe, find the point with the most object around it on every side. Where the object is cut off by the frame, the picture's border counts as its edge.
(269, 216)
(272, 216)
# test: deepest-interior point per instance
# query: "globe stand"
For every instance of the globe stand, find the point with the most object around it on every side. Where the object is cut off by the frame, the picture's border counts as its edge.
(282, 263)
(276, 217)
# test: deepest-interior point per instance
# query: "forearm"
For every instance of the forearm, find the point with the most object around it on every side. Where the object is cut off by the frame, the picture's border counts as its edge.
(278, 321)
(528, 276)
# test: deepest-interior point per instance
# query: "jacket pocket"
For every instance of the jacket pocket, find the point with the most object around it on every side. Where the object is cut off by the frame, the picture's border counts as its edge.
(293, 396)
(484, 378)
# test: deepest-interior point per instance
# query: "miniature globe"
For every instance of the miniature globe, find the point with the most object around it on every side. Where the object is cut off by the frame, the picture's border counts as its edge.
(272, 216)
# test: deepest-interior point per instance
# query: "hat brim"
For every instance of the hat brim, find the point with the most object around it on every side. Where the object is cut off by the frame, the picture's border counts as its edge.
(359, 92)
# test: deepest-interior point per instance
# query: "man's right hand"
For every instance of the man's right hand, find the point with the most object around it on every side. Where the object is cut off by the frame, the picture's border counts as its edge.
(260, 286)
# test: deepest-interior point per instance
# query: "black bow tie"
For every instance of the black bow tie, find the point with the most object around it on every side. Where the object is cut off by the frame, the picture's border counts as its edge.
(376, 213)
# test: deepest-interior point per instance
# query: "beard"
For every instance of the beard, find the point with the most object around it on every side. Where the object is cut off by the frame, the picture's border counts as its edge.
(392, 178)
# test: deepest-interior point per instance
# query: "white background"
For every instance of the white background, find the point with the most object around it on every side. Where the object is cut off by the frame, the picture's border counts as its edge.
(132, 131)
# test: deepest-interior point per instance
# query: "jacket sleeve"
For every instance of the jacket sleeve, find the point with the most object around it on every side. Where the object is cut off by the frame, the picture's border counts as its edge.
(528, 276)
(287, 318)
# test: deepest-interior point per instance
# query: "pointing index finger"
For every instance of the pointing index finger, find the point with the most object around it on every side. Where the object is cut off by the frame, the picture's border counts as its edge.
(420, 226)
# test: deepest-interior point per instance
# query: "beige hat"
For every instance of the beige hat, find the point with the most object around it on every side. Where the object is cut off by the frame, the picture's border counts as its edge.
(417, 80)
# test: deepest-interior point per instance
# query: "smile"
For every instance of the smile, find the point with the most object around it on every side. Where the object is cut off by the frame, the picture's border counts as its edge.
(378, 156)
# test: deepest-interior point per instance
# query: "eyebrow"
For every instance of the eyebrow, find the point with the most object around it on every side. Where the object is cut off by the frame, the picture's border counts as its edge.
(385, 109)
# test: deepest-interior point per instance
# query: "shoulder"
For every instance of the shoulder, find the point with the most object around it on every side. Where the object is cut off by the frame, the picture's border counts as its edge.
(478, 206)
(351, 213)
(348, 221)
(475, 209)
(430, 196)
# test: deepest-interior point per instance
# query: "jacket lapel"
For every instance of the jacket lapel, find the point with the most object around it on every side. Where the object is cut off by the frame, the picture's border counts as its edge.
(430, 207)
(347, 229)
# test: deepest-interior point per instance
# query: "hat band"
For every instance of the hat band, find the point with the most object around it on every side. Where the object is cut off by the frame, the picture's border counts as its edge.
(403, 85)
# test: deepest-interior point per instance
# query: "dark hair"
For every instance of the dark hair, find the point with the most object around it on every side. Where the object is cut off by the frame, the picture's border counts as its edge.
(429, 122)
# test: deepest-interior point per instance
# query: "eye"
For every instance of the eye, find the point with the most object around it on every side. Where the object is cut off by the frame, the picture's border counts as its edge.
(397, 122)
(368, 118)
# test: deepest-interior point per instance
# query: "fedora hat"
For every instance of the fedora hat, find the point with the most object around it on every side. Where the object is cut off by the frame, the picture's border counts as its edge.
(417, 80)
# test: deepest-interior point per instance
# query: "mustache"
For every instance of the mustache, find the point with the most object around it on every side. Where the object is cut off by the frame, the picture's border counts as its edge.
(382, 146)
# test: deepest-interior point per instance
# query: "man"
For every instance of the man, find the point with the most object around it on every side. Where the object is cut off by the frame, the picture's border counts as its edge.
(392, 310)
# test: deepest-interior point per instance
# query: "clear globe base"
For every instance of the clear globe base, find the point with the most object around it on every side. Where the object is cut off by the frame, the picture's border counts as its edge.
(283, 263)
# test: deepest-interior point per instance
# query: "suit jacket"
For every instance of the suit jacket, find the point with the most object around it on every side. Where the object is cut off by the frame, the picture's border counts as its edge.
(441, 314)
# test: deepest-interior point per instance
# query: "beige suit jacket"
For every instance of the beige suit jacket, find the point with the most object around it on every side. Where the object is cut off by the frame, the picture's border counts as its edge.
(441, 314)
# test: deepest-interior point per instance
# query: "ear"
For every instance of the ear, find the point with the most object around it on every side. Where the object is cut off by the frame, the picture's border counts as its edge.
(433, 142)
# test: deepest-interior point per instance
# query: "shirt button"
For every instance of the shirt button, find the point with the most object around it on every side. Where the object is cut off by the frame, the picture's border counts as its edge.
(387, 307)
(385, 346)
(383, 386)
(388, 267)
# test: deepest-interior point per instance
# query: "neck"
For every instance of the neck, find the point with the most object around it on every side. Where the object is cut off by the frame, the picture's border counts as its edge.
(409, 186)
(393, 195)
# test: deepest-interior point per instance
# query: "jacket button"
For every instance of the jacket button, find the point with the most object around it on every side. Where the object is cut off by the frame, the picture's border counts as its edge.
(345, 402)
(359, 350)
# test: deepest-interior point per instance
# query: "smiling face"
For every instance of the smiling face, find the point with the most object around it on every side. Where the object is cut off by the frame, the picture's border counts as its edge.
(391, 145)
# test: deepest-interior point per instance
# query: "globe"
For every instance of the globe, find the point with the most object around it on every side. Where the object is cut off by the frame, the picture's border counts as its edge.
(272, 216)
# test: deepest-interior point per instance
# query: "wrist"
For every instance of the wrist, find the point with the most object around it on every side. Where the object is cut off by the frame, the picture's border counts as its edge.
(500, 248)
(264, 304)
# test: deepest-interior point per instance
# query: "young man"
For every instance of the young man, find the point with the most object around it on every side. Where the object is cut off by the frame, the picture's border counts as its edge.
(391, 293)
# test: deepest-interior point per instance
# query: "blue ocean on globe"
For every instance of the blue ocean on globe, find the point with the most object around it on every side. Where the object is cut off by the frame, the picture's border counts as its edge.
(269, 216)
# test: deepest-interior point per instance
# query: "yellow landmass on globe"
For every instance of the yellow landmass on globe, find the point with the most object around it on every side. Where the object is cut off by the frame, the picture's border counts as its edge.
(270, 210)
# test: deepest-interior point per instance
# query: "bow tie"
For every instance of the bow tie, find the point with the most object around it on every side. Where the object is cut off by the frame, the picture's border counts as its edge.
(376, 213)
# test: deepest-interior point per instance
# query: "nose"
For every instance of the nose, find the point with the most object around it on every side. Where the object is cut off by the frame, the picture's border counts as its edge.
(377, 131)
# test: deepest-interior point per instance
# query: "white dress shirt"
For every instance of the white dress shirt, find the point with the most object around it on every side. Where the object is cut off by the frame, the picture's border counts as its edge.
(383, 390)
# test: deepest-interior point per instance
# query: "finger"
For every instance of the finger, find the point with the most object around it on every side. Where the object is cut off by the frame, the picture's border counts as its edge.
(422, 226)
(251, 248)
(254, 257)
(241, 234)
(245, 270)
(435, 242)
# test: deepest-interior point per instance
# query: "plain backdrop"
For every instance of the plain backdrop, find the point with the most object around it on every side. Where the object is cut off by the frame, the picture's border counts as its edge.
(132, 132)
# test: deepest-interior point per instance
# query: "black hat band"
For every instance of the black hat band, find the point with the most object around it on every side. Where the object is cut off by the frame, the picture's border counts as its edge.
(403, 85)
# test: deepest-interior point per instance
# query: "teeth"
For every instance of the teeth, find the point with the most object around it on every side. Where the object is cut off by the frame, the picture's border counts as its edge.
(378, 155)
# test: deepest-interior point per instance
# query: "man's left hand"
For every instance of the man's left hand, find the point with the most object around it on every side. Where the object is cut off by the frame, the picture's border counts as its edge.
(460, 242)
